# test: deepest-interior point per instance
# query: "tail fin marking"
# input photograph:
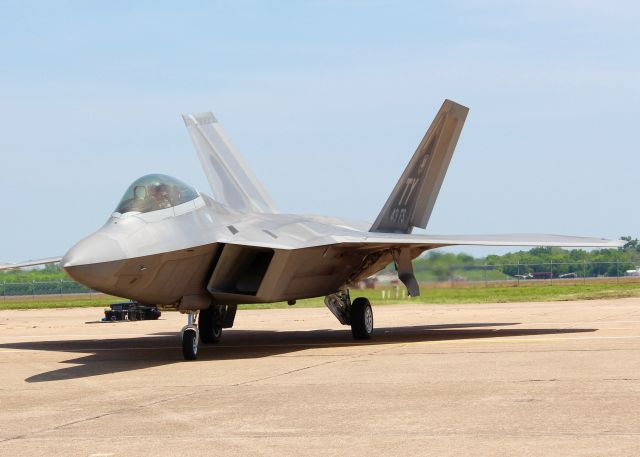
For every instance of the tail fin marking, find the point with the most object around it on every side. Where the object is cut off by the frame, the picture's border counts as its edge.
(414, 196)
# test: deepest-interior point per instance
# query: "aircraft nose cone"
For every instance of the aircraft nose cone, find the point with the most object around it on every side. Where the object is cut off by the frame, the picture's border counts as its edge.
(96, 248)
(91, 260)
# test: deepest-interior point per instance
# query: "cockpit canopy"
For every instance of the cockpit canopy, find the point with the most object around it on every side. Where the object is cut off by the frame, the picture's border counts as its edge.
(155, 192)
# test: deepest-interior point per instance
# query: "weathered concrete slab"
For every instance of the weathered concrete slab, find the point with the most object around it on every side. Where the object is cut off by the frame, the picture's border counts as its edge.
(501, 379)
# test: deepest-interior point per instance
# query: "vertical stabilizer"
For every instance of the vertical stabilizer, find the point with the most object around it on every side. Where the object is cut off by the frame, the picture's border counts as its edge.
(412, 200)
(229, 176)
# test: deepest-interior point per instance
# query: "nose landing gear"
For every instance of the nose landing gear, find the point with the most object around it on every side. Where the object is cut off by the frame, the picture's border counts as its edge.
(206, 326)
(190, 337)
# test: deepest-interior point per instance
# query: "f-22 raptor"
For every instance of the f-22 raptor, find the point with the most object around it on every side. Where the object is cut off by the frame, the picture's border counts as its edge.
(168, 244)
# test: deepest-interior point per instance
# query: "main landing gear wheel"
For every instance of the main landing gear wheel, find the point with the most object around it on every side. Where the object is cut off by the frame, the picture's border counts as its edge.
(361, 319)
(209, 324)
(190, 343)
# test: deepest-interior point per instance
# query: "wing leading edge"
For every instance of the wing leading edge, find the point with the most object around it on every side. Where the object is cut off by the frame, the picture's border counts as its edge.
(30, 263)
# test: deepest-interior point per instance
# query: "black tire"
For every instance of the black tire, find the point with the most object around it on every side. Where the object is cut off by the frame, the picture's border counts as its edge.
(361, 319)
(190, 344)
(209, 326)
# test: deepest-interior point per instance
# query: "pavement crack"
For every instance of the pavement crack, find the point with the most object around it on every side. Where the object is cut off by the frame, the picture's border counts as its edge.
(157, 402)
(538, 380)
(297, 370)
(98, 416)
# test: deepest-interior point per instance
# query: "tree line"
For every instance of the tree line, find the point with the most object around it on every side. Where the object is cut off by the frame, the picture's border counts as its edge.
(556, 261)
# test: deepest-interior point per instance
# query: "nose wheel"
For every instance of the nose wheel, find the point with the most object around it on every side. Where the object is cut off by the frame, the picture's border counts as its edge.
(190, 337)
(205, 327)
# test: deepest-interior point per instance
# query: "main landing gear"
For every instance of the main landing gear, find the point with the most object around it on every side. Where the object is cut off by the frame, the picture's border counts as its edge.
(358, 314)
(208, 329)
(210, 325)
(361, 319)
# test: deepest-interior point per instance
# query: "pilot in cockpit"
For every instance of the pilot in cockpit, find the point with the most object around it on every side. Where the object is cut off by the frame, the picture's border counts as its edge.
(153, 193)
(161, 196)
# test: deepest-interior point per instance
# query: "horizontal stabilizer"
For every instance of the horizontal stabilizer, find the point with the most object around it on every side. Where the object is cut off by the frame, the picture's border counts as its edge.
(425, 242)
(229, 176)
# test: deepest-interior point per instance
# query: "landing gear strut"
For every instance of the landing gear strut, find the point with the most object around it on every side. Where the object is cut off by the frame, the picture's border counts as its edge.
(210, 322)
(358, 313)
(190, 338)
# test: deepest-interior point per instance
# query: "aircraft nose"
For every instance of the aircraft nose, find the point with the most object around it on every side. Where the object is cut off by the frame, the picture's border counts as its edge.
(91, 260)
(96, 248)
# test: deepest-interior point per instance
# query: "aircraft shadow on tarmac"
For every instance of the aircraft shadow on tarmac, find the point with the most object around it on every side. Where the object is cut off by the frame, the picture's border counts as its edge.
(128, 354)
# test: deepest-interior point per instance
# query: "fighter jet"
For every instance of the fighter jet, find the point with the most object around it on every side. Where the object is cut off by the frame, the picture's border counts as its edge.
(168, 244)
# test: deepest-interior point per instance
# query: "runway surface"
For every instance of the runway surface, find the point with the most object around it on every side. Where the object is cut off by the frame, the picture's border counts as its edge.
(502, 379)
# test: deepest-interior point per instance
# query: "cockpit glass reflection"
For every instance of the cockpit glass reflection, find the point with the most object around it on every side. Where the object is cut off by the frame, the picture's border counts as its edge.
(155, 192)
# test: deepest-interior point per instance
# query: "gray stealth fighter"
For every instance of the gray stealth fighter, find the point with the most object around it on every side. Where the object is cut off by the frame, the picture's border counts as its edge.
(168, 244)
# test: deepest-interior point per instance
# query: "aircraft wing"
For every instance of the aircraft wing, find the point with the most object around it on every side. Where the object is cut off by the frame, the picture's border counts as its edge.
(304, 259)
(30, 263)
(381, 248)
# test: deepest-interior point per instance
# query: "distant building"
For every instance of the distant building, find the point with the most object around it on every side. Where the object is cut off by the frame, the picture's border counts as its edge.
(568, 275)
(384, 278)
(542, 275)
(635, 272)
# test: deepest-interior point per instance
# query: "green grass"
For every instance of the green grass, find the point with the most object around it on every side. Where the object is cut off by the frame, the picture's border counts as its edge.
(48, 301)
(450, 296)
(530, 293)
(469, 275)
(463, 295)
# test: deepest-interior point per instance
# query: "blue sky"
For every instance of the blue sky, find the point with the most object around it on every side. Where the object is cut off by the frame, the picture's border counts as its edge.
(327, 101)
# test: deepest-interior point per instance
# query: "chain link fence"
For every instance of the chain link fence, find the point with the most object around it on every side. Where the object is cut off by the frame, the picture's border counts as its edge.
(33, 288)
(469, 275)
(518, 274)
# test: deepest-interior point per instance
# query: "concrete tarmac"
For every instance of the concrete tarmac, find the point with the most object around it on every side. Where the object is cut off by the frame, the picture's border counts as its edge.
(539, 379)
